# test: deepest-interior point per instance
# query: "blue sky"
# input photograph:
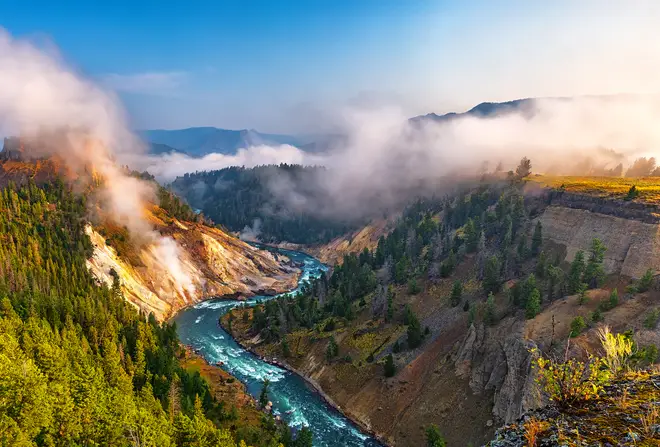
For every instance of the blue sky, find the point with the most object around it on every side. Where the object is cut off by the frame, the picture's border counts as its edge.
(286, 66)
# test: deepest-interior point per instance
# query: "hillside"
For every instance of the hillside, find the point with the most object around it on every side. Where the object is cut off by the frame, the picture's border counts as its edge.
(272, 203)
(78, 364)
(216, 263)
(458, 293)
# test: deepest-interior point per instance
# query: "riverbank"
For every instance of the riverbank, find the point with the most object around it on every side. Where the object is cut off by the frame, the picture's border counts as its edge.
(313, 384)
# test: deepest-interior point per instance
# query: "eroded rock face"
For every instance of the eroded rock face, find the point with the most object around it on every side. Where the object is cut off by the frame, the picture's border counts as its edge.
(215, 264)
(499, 360)
(632, 246)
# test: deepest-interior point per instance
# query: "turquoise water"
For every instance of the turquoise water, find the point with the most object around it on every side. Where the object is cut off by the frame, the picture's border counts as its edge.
(293, 399)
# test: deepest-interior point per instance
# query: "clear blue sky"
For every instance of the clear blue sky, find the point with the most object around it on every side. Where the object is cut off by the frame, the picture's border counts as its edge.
(283, 65)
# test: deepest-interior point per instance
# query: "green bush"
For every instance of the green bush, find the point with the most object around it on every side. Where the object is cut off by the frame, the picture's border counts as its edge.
(572, 382)
(633, 192)
(645, 281)
(413, 287)
(433, 437)
(577, 326)
(597, 315)
(332, 350)
(651, 320)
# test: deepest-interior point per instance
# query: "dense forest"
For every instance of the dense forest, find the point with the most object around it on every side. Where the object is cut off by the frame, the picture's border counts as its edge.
(78, 364)
(260, 199)
(490, 223)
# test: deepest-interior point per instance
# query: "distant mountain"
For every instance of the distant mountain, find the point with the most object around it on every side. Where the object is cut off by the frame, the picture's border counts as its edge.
(200, 141)
(484, 110)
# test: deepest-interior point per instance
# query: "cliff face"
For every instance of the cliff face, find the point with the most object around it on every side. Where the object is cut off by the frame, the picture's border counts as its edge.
(215, 263)
(633, 246)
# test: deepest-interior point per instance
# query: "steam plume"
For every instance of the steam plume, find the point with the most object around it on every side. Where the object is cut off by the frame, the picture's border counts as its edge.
(60, 113)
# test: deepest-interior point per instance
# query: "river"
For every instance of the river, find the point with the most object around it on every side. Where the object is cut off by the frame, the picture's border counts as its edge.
(294, 400)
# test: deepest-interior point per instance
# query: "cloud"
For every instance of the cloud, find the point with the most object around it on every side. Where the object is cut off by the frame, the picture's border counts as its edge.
(385, 159)
(57, 112)
(150, 82)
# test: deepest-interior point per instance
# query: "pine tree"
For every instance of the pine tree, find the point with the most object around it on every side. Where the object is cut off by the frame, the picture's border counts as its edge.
(575, 273)
(389, 366)
(594, 272)
(456, 293)
(489, 310)
(491, 282)
(263, 395)
(414, 331)
(533, 306)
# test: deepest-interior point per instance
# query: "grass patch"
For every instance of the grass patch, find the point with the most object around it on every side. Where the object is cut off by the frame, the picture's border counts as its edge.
(647, 189)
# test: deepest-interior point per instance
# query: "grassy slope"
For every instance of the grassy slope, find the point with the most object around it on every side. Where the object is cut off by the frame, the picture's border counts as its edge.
(608, 187)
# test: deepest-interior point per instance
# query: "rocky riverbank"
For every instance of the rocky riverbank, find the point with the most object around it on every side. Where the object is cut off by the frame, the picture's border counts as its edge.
(312, 383)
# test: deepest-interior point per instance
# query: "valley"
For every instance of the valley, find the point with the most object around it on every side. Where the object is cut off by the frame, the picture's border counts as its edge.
(473, 370)
(444, 233)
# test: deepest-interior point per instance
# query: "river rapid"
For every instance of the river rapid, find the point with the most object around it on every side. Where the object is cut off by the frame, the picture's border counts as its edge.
(294, 400)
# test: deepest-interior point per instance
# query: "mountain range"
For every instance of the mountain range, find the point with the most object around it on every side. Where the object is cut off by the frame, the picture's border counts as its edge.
(200, 141)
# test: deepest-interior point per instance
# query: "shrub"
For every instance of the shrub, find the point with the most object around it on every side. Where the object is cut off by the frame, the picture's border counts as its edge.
(617, 347)
(645, 281)
(434, 437)
(533, 428)
(332, 350)
(329, 326)
(651, 320)
(413, 287)
(651, 354)
(577, 326)
(397, 347)
(614, 299)
(597, 315)
(633, 192)
(572, 382)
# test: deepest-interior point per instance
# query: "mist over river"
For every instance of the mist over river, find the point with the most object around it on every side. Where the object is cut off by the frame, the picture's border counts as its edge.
(294, 400)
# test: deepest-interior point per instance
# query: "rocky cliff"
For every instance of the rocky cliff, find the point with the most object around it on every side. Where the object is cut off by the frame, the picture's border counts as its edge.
(633, 246)
(215, 263)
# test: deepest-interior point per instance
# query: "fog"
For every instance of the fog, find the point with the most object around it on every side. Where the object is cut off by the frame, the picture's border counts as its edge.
(57, 112)
(385, 157)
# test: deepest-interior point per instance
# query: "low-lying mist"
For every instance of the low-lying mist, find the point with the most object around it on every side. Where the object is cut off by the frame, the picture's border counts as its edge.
(385, 157)
(57, 112)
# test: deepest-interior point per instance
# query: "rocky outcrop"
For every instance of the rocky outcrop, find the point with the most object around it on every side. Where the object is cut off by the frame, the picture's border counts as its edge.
(633, 246)
(624, 414)
(499, 360)
(213, 264)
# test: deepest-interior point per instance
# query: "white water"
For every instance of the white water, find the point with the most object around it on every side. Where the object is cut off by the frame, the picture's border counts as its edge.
(293, 399)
